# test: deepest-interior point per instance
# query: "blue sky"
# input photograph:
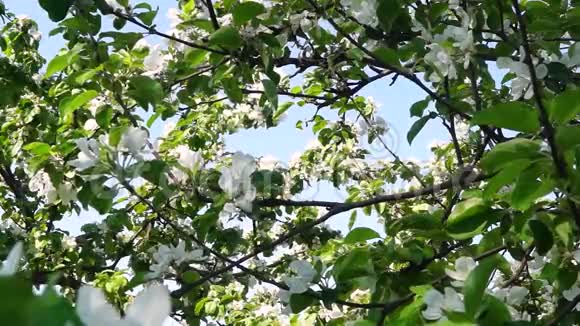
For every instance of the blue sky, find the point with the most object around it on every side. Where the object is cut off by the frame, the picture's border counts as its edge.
(284, 140)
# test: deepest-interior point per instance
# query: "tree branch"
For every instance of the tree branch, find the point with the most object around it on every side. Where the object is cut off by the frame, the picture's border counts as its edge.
(343, 207)
(548, 130)
(152, 30)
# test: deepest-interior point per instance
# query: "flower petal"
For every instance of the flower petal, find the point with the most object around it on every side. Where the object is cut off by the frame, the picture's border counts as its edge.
(10, 265)
(151, 307)
(93, 309)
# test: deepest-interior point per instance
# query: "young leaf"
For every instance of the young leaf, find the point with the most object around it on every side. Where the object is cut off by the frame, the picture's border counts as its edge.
(361, 234)
(146, 91)
(246, 11)
(507, 152)
(227, 37)
(469, 218)
(71, 103)
(416, 128)
(565, 106)
(388, 11)
(56, 10)
(38, 148)
(515, 116)
(388, 56)
(476, 283)
(418, 108)
(543, 237)
(299, 302)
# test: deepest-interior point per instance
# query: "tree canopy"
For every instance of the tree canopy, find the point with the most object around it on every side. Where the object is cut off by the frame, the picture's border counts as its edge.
(483, 233)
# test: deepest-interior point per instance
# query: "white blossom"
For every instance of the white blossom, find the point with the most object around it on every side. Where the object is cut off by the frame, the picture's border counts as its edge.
(227, 211)
(156, 61)
(114, 5)
(440, 58)
(66, 192)
(302, 20)
(165, 255)
(133, 140)
(360, 296)
(267, 310)
(571, 294)
(68, 242)
(330, 314)
(268, 162)
(304, 275)
(236, 180)
(572, 57)
(11, 264)
(168, 127)
(150, 308)
(463, 266)
(187, 158)
(88, 156)
(576, 255)
(437, 302)
(522, 84)
(95, 104)
(514, 295)
(41, 184)
(177, 176)
(364, 11)
(91, 125)
(224, 20)
(378, 124)
(536, 263)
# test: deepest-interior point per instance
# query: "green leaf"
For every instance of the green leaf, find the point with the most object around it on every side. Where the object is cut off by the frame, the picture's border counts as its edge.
(419, 221)
(233, 90)
(15, 300)
(154, 172)
(418, 108)
(493, 312)
(360, 234)
(416, 128)
(246, 11)
(567, 137)
(194, 57)
(271, 91)
(388, 11)
(190, 276)
(529, 188)
(507, 175)
(299, 302)
(72, 103)
(51, 309)
(565, 106)
(58, 64)
(543, 237)
(514, 115)
(146, 91)
(147, 17)
(476, 283)
(227, 37)
(119, 23)
(505, 153)
(56, 9)
(104, 117)
(38, 148)
(387, 56)
(469, 218)
(357, 263)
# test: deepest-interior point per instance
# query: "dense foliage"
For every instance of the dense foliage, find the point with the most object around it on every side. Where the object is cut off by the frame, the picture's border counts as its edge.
(484, 233)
